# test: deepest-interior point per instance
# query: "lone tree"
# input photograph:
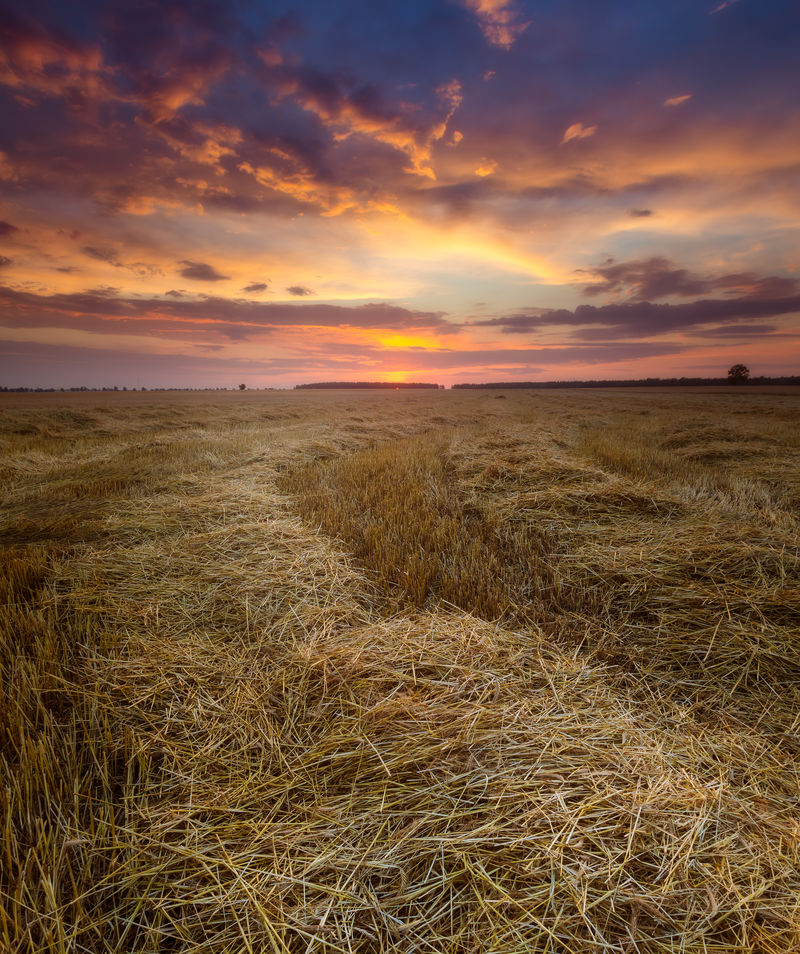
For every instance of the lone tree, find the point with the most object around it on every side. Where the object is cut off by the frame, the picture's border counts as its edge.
(243, 386)
(738, 374)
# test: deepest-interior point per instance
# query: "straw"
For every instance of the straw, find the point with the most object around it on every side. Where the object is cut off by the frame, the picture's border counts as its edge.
(231, 724)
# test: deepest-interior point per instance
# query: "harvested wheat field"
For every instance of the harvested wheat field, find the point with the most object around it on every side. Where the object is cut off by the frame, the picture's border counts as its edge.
(463, 671)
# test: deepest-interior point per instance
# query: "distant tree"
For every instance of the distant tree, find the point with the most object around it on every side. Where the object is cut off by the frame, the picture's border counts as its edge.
(242, 387)
(738, 374)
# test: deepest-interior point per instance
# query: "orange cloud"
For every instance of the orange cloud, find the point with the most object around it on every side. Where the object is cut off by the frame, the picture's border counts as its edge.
(677, 100)
(217, 142)
(302, 185)
(499, 20)
(578, 131)
(346, 116)
(31, 59)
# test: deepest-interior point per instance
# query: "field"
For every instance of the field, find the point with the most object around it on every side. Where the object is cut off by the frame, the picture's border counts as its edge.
(447, 672)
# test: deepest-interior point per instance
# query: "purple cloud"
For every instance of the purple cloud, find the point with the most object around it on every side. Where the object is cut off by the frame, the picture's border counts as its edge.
(653, 278)
(103, 311)
(101, 253)
(202, 272)
(645, 317)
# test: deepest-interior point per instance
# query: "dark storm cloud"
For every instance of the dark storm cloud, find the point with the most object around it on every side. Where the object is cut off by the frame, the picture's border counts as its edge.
(202, 272)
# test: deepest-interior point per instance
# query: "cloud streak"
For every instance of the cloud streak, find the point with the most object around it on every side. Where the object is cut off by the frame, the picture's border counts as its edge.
(644, 318)
(658, 277)
(104, 312)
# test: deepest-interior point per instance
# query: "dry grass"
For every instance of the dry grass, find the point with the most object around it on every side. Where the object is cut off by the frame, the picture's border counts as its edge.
(400, 672)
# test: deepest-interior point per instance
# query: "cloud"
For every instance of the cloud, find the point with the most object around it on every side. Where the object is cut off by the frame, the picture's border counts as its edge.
(210, 318)
(740, 331)
(646, 279)
(4, 261)
(628, 319)
(202, 272)
(255, 287)
(500, 21)
(73, 366)
(40, 61)
(299, 291)
(347, 108)
(640, 213)
(488, 167)
(174, 293)
(723, 6)
(578, 131)
(678, 100)
(6, 229)
(76, 366)
(101, 254)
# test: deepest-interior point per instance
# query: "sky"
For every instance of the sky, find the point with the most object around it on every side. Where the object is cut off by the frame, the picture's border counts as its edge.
(201, 194)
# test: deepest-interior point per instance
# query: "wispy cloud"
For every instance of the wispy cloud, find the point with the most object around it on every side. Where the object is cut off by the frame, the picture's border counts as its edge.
(678, 100)
(577, 131)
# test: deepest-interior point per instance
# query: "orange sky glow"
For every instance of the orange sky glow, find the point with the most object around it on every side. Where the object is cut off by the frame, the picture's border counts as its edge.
(452, 191)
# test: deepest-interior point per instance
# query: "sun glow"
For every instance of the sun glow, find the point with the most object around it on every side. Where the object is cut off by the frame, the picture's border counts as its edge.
(407, 341)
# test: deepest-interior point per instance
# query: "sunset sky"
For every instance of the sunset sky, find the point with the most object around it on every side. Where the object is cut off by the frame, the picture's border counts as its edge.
(202, 194)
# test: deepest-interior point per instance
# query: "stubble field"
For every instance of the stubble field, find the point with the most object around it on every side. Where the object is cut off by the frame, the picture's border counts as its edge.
(451, 672)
